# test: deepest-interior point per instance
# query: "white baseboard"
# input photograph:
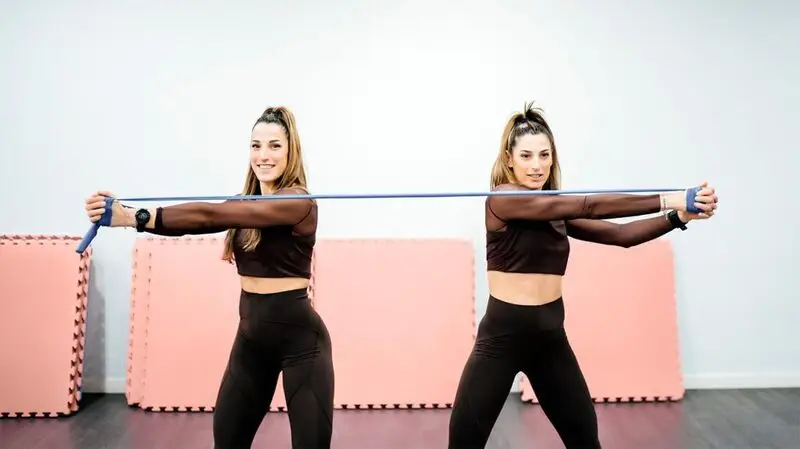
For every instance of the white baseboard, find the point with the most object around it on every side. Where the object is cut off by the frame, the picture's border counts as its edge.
(726, 381)
(111, 385)
(719, 381)
(731, 381)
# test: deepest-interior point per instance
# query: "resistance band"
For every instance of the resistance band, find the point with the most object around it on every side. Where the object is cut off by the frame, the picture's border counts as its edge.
(105, 220)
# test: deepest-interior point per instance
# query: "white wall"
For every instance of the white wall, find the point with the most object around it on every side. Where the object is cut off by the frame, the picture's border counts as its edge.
(413, 96)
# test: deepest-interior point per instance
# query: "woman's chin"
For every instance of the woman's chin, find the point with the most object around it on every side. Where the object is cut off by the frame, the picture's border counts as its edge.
(266, 178)
(533, 185)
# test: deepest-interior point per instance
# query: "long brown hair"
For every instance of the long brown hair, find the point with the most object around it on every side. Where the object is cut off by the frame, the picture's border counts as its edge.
(293, 176)
(529, 121)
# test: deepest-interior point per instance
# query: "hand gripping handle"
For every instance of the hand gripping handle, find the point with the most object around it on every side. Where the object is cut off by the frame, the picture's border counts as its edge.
(105, 220)
(690, 195)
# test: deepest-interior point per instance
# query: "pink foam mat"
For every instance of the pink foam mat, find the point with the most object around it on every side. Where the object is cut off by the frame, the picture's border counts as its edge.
(45, 287)
(138, 320)
(621, 322)
(392, 307)
(182, 323)
(401, 318)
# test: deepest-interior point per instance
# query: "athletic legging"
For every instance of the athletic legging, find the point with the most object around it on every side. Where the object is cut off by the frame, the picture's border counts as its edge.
(277, 332)
(513, 338)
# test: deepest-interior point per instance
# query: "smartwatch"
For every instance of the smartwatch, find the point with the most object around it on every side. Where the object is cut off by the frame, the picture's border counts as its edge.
(675, 220)
(142, 217)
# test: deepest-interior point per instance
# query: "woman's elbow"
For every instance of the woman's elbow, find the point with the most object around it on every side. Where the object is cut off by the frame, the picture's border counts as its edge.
(621, 238)
(630, 243)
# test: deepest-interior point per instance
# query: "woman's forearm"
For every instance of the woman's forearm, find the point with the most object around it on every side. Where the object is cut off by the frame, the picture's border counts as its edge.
(199, 217)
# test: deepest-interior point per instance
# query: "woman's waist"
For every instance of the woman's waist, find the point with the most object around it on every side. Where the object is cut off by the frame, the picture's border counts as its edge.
(277, 310)
(265, 286)
(524, 288)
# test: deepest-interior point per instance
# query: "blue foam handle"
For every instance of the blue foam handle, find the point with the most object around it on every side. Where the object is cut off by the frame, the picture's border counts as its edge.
(105, 220)
(690, 195)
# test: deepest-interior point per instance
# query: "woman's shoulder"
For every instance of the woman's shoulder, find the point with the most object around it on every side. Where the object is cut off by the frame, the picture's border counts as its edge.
(507, 186)
(293, 190)
(297, 190)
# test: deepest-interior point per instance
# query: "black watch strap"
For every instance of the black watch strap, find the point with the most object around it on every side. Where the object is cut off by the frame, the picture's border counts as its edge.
(142, 217)
(675, 220)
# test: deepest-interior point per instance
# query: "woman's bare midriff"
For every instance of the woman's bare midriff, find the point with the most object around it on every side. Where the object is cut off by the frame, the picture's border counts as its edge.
(523, 288)
(271, 285)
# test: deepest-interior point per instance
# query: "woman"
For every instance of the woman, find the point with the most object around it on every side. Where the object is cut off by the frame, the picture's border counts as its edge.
(527, 250)
(271, 243)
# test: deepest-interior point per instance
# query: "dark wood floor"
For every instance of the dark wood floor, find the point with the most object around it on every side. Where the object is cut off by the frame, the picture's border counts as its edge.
(735, 419)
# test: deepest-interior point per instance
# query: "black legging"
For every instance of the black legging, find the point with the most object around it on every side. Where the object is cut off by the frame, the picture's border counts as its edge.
(277, 332)
(513, 338)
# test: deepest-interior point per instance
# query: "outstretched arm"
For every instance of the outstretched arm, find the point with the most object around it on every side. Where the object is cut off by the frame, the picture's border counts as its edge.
(567, 207)
(625, 235)
(171, 232)
(200, 217)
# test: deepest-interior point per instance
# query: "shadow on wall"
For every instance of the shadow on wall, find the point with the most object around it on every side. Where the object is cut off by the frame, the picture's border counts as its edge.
(94, 360)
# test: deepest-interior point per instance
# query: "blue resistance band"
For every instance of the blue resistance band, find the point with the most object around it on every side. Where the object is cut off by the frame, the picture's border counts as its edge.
(105, 220)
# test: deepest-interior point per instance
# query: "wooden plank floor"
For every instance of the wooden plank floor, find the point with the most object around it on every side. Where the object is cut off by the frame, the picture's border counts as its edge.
(733, 419)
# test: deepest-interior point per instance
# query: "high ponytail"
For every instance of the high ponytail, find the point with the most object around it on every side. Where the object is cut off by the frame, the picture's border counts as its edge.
(529, 121)
(293, 176)
(535, 115)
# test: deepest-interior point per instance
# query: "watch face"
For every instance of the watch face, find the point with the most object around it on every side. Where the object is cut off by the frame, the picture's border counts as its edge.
(142, 216)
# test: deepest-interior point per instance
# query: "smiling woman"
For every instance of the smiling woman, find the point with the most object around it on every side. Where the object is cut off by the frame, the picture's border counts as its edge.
(271, 243)
(269, 147)
(276, 166)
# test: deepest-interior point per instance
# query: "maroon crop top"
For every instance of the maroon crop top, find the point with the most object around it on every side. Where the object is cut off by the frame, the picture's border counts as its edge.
(527, 246)
(529, 234)
(288, 231)
(281, 253)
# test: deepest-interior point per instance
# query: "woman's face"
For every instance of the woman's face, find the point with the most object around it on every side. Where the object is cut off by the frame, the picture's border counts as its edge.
(269, 150)
(531, 159)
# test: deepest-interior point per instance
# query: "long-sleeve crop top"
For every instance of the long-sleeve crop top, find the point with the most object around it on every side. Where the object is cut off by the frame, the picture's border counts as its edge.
(529, 233)
(288, 231)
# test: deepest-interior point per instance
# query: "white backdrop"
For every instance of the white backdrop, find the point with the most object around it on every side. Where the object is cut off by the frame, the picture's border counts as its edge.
(157, 99)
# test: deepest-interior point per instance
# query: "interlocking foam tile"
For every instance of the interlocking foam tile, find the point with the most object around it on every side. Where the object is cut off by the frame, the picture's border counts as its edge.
(138, 321)
(401, 318)
(44, 324)
(185, 317)
(621, 322)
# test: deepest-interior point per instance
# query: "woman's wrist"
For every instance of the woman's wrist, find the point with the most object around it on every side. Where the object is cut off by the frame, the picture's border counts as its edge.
(129, 217)
(676, 220)
(673, 201)
(155, 216)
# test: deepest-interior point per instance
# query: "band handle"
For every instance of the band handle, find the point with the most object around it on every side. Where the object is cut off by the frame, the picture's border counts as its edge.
(105, 220)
